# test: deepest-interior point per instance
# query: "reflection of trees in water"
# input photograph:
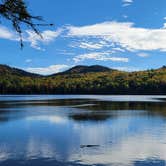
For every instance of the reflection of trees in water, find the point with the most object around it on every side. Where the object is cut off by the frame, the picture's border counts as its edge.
(103, 110)
(90, 117)
(154, 107)
(84, 109)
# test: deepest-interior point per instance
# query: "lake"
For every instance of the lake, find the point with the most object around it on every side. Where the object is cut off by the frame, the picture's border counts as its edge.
(75, 130)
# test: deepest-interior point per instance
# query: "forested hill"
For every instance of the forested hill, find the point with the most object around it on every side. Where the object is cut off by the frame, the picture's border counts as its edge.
(85, 69)
(83, 80)
(7, 70)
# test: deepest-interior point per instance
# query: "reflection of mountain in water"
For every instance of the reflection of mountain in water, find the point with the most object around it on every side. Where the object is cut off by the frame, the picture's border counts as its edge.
(90, 116)
(51, 132)
(80, 109)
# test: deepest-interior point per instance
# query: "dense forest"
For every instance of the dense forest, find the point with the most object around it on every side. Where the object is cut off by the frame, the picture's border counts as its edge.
(83, 80)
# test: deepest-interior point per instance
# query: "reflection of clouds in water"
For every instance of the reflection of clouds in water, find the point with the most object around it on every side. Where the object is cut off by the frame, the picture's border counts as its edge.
(4, 153)
(124, 148)
(36, 148)
(51, 119)
(99, 133)
(4, 156)
(124, 139)
(130, 149)
(85, 133)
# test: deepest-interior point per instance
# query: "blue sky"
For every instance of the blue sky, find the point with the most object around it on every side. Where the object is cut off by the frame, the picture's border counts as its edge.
(123, 34)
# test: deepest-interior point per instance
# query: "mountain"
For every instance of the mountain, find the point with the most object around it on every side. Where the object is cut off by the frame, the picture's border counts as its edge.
(83, 80)
(87, 69)
(7, 70)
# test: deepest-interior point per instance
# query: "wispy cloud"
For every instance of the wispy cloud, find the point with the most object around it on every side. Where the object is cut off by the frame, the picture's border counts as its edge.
(127, 2)
(47, 37)
(114, 36)
(123, 34)
(48, 70)
(64, 52)
(90, 45)
(143, 54)
(118, 49)
(5, 33)
(30, 36)
(127, 68)
(99, 56)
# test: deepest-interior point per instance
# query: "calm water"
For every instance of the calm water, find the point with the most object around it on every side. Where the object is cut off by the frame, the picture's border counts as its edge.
(82, 130)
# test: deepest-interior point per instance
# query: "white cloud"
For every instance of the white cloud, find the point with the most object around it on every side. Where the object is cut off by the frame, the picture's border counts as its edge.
(64, 52)
(127, 68)
(99, 56)
(118, 49)
(164, 26)
(30, 36)
(90, 45)
(142, 54)
(47, 37)
(48, 70)
(124, 35)
(5, 33)
(127, 2)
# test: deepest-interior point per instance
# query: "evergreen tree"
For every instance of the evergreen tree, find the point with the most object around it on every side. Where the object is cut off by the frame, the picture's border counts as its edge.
(17, 13)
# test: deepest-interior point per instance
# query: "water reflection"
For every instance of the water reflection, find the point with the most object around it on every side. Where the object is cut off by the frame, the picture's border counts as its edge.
(53, 132)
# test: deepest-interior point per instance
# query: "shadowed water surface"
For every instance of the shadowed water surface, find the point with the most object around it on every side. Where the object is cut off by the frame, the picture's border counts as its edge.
(82, 130)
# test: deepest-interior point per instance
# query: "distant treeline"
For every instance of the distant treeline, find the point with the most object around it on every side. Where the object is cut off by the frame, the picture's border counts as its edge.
(15, 81)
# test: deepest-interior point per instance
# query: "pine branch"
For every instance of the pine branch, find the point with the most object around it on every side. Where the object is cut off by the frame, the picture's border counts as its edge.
(16, 12)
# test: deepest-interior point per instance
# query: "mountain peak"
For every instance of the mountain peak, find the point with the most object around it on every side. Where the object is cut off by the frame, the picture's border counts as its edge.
(86, 69)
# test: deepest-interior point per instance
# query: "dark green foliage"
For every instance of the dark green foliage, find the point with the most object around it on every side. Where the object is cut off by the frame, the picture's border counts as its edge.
(86, 69)
(6, 70)
(75, 81)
